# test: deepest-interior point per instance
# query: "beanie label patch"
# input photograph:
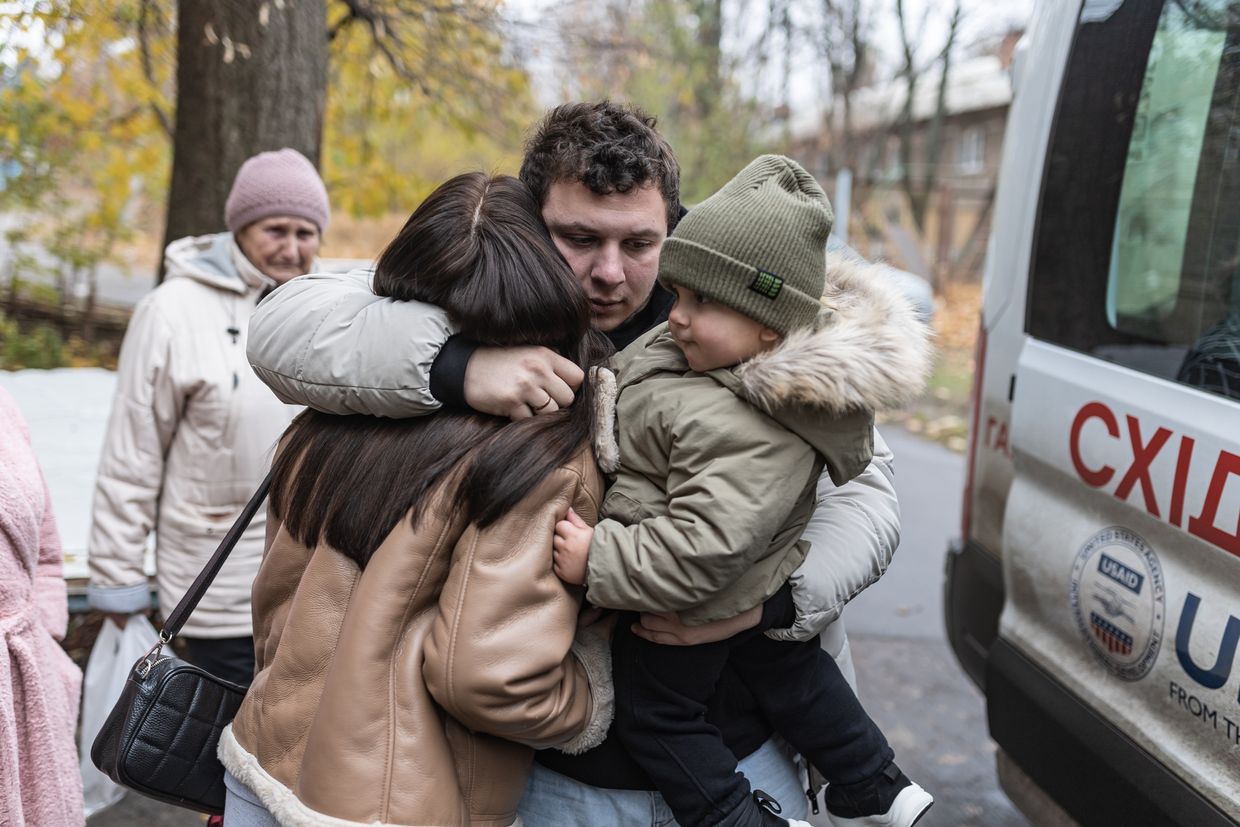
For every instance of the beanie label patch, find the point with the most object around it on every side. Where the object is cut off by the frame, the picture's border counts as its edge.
(767, 284)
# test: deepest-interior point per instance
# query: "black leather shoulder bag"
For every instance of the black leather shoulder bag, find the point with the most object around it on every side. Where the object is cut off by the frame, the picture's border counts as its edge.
(160, 738)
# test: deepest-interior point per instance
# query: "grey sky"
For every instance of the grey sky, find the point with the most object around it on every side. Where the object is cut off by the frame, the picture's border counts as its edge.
(982, 19)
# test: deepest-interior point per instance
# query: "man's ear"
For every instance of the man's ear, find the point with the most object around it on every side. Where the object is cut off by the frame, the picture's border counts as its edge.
(770, 336)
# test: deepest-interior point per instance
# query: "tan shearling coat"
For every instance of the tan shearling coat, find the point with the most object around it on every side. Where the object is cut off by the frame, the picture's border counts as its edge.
(411, 692)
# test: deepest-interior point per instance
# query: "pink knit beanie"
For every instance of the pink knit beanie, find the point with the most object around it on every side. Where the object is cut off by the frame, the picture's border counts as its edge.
(276, 183)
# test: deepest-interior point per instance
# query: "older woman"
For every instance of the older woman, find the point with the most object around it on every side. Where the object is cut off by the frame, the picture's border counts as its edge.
(192, 429)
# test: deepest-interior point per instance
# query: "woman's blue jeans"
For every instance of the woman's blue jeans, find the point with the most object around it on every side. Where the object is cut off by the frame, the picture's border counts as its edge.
(554, 800)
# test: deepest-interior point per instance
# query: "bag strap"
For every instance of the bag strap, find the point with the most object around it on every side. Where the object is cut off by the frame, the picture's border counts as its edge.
(177, 617)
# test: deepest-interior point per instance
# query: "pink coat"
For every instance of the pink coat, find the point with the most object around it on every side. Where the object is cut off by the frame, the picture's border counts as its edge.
(39, 685)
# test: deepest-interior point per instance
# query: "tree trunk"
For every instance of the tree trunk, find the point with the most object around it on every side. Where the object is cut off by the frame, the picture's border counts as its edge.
(707, 90)
(86, 327)
(709, 15)
(918, 191)
(856, 33)
(251, 77)
(934, 144)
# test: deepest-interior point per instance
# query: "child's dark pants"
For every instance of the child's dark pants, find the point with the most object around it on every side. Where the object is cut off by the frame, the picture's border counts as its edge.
(661, 695)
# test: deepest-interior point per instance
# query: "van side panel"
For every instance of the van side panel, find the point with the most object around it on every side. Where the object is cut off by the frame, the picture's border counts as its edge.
(973, 582)
(1087, 765)
(1007, 260)
(1129, 611)
(1106, 479)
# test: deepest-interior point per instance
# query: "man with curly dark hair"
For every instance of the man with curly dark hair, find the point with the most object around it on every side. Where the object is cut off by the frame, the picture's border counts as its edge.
(605, 146)
(609, 190)
(594, 167)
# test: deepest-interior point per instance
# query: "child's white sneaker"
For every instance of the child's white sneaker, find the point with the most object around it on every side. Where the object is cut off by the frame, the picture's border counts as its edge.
(910, 804)
(888, 800)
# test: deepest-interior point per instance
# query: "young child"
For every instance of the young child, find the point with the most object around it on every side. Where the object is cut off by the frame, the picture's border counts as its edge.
(726, 418)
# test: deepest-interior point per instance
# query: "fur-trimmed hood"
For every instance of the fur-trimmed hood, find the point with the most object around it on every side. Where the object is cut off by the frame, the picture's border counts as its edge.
(868, 352)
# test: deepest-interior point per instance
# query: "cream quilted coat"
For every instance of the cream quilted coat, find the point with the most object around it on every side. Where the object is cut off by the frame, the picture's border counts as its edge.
(190, 437)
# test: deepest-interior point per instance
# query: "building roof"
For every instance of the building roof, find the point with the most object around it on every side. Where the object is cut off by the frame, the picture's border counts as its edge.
(973, 85)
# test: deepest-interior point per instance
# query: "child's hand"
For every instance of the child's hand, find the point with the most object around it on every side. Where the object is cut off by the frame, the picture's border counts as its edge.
(570, 549)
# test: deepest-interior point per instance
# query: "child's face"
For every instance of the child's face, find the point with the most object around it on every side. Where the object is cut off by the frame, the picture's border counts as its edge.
(713, 335)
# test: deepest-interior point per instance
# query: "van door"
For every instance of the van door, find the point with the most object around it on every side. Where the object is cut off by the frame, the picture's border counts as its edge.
(1113, 683)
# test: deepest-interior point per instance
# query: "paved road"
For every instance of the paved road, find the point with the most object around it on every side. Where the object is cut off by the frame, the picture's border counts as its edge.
(909, 680)
(908, 601)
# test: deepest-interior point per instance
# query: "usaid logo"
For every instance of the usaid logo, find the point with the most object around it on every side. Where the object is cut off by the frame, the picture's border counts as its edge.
(1117, 596)
(1120, 573)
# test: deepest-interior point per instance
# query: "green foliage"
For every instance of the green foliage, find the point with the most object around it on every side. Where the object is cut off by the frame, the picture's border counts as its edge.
(43, 294)
(404, 113)
(41, 347)
(82, 131)
(418, 90)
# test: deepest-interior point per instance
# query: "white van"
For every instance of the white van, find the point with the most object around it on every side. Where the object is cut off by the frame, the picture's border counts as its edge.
(1095, 595)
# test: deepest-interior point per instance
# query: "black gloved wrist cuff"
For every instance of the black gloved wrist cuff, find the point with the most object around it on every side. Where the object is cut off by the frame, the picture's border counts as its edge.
(447, 379)
(779, 611)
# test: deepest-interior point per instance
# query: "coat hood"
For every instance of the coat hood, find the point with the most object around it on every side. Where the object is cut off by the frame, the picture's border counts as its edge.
(869, 350)
(214, 260)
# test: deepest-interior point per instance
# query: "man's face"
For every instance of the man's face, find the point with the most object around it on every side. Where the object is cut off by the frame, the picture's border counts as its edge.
(281, 247)
(612, 242)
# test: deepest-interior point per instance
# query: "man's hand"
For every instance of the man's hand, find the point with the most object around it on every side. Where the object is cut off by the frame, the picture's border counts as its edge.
(519, 382)
(570, 549)
(666, 628)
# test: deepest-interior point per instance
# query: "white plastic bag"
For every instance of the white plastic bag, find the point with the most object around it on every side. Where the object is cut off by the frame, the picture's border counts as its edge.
(113, 655)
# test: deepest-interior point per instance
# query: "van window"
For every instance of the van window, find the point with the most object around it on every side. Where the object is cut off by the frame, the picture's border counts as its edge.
(1137, 253)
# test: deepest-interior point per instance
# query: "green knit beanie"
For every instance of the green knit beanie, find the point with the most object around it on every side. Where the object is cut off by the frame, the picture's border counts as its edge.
(757, 245)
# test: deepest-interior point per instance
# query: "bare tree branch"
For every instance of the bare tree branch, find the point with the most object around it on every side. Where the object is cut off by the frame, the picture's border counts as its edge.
(904, 123)
(934, 148)
(918, 188)
(427, 44)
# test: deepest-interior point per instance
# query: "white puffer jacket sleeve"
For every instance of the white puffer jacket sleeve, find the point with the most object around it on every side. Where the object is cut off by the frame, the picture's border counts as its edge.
(327, 341)
(145, 413)
(853, 534)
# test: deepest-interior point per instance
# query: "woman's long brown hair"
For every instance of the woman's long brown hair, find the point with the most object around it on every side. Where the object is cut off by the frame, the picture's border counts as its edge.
(477, 248)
